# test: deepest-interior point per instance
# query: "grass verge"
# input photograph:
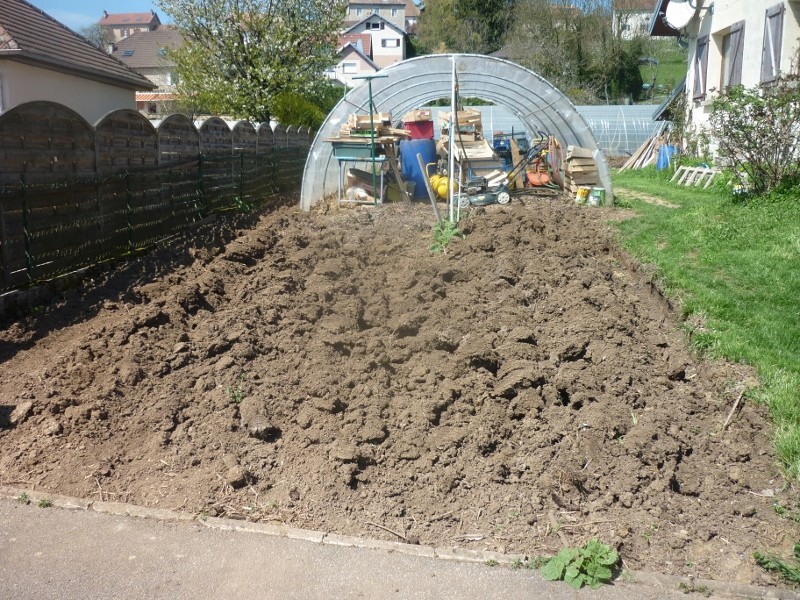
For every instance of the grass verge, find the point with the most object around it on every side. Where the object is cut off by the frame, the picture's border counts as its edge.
(734, 267)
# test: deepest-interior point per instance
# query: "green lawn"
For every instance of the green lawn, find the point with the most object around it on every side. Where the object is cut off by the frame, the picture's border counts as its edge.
(734, 268)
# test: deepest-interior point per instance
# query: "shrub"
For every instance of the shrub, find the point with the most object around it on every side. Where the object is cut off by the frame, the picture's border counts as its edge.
(294, 109)
(757, 131)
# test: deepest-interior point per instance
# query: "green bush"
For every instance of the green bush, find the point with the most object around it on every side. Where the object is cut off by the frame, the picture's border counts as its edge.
(293, 109)
(756, 133)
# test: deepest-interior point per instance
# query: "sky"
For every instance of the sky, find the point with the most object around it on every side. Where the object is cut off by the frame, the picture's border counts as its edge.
(77, 14)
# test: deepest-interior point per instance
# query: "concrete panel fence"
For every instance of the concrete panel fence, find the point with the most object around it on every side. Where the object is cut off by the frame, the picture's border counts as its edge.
(73, 194)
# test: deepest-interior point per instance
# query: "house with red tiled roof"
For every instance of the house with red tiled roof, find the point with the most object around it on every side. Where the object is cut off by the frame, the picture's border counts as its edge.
(388, 40)
(354, 60)
(147, 52)
(121, 25)
(41, 59)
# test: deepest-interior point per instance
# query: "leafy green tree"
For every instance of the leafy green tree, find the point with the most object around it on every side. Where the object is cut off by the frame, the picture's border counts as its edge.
(571, 45)
(240, 54)
(469, 26)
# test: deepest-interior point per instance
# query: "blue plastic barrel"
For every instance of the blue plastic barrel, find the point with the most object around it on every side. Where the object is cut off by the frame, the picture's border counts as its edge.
(410, 166)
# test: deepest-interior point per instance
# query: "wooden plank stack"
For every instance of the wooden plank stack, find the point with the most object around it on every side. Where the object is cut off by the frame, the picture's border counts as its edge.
(357, 129)
(646, 154)
(580, 169)
(470, 126)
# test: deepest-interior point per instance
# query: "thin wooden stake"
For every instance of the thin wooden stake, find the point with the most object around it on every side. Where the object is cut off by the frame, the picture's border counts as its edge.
(733, 410)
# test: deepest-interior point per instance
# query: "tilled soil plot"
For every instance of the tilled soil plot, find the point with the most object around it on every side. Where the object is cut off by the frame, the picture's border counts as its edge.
(524, 391)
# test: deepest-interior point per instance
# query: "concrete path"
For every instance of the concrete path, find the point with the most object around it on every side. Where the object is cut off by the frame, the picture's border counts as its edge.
(60, 553)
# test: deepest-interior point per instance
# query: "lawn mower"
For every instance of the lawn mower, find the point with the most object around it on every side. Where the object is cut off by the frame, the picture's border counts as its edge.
(477, 191)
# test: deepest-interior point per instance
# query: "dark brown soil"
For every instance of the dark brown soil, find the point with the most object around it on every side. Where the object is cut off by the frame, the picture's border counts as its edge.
(524, 391)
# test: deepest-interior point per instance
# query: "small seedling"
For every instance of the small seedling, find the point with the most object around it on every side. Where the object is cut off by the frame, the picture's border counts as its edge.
(517, 563)
(24, 498)
(647, 534)
(589, 565)
(491, 563)
(45, 503)
(537, 562)
(788, 570)
(443, 233)
(243, 204)
(236, 392)
(786, 512)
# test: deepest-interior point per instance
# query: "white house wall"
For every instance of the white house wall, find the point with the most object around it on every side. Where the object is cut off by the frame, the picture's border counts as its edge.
(345, 75)
(716, 23)
(381, 56)
(92, 100)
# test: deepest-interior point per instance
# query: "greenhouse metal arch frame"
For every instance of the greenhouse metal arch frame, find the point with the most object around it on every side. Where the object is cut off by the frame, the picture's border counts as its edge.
(419, 81)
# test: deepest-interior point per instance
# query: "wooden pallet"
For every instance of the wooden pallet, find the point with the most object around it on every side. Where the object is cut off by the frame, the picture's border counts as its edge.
(694, 176)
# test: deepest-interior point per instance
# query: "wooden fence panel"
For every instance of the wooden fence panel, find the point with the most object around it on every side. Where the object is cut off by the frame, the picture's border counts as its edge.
(72, 195)
(220, 184)
(178, 140)
(245, 139)
(44, 138)
(125, 140)
(215, 137)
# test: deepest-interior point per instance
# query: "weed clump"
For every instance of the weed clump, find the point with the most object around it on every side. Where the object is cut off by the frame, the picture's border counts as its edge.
(443, 234)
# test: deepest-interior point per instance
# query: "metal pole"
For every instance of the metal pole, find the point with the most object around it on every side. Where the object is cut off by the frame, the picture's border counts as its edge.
(453, 125)
(26, 228)
(129, 209)
(371, 107)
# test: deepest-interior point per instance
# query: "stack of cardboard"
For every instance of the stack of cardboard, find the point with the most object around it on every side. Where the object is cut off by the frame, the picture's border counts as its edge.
(580, 169)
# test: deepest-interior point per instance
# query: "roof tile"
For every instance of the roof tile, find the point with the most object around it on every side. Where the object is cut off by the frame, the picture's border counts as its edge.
(32, 36)
(143, 49)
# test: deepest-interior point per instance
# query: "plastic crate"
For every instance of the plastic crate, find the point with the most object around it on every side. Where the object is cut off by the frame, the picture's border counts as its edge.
(420, 130)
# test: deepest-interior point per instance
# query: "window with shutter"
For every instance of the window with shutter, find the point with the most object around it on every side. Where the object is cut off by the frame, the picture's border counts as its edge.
(732, 53)
(700, 65)
(773, 38)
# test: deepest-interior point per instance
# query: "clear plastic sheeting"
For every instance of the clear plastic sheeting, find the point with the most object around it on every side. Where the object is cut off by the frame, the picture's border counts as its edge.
(619, 129)
(416, 82)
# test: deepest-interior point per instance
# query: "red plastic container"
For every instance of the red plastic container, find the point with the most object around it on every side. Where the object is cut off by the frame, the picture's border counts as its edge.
(420, 130)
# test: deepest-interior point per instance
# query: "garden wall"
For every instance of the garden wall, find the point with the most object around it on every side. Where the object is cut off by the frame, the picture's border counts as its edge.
(73, 194)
